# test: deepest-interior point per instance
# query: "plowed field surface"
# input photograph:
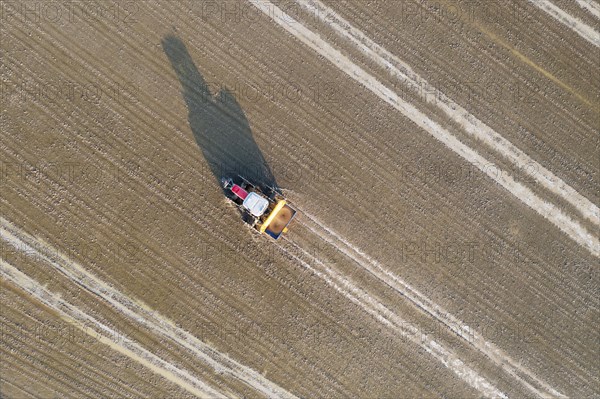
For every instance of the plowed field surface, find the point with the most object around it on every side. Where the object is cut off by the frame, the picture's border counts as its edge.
(443, 157)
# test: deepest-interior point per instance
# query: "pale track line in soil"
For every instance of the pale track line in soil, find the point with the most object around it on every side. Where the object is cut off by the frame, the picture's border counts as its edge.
(551, 212)
(111, 160)
(372, 306)
(399, 69)
(103, 333)
(465, 332)
(138, 311)
(590, 6)
(79, 275)
(41, 349)
(573, 23)
(473, 126)
(151, 190)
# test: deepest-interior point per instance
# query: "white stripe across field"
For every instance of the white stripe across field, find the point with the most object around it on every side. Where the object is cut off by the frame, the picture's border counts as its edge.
(549, 211)
(385, 316)
(521, 374)
(400, 70)
(138, 311)
(573, 23)
(77, 318)
(590, 6)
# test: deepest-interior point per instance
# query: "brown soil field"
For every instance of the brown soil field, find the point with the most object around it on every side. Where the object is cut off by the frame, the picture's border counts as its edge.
(443, 157)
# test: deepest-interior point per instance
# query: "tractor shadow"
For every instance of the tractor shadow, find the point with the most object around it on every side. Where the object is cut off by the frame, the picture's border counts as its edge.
(218, 123)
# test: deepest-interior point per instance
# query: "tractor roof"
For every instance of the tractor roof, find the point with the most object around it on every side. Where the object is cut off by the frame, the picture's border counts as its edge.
(255, 204)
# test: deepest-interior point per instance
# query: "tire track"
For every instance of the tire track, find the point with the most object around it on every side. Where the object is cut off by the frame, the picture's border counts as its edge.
(140, 312)
(152, 112)
(78, 380)
(573, 23)
(476, 128)
(100, 373)
(102, 333)
(465, 332)
(590, 6)
(528, 61)
(99, 381)
(372, 306)
(446, 358)
(547, 210)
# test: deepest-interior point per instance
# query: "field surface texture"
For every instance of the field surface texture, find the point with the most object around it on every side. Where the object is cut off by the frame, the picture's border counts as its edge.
(442, 156)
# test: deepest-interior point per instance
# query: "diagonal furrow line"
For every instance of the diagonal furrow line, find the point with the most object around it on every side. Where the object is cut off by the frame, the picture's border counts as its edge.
(547, 210)
(590, 6)
(221, 363)
(102, 380)
(20, 388)
(106, 335)
(473, 126)
(573, 23)
(139, 312)
(375, 308)
(498, 356)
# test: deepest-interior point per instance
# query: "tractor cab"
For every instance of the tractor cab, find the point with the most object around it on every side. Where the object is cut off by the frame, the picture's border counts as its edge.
(268, 212)
(255, 204)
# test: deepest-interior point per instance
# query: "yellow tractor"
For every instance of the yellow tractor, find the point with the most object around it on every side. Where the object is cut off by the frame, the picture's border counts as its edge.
(264, 209)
